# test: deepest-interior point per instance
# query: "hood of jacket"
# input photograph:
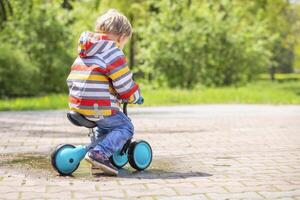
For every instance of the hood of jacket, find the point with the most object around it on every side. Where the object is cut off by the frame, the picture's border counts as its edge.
(92, 43)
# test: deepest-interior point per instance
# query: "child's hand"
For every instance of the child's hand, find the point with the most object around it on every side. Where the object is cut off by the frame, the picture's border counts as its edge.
(140, 101)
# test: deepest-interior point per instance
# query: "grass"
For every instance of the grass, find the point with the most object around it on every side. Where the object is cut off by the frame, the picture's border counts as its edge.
(255, 93)
(261, 92)
(53, 101)
(280, 77)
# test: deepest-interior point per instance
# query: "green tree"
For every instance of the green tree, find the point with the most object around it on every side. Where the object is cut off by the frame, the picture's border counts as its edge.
(17, 76)
(205, 42)
(5, 11)
(284, 20)
(45, 37)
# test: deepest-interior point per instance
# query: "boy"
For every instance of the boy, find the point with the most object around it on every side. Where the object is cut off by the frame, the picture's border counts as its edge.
(99, 80)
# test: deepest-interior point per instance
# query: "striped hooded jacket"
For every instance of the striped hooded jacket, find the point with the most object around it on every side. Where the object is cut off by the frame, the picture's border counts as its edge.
(100, 78)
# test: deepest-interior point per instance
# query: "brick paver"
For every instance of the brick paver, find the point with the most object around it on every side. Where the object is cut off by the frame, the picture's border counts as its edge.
(200, 152)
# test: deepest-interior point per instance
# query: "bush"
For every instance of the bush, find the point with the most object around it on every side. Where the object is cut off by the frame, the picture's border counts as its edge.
(209, 43)
(17, 74)
(45, 38)
(50, 47)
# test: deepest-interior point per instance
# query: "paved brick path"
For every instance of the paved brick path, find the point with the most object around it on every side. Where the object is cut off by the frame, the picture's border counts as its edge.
(200, 152)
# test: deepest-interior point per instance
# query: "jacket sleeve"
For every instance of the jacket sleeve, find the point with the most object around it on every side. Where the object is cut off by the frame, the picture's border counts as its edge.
(121, 77)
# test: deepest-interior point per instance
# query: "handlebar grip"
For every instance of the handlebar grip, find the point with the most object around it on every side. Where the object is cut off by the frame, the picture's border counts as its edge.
(140, 101)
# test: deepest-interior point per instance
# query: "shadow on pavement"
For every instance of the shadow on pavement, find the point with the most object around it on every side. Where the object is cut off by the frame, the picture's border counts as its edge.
(160, 174)
(39, 165)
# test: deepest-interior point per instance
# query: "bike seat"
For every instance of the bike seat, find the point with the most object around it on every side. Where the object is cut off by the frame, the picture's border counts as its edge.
(79, 120)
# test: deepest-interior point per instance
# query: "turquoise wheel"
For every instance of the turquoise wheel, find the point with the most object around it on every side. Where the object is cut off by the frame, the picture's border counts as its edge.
(140, 155)
(62, 160)
(119, 160)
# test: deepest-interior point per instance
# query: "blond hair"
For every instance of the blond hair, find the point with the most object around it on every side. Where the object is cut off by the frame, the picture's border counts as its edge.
(112, 21)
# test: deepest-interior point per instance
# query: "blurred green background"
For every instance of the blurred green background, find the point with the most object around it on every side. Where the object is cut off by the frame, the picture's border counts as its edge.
(181, 52)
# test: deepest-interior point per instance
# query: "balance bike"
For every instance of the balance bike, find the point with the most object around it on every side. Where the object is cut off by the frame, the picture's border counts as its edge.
(66, 158)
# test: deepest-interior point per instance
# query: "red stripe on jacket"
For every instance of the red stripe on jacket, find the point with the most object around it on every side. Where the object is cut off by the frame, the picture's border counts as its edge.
(117, 63)
(88, 68)
(89, 102)
(130, 92)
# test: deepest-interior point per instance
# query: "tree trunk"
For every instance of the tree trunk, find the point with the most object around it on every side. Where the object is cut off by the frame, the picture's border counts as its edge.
(272, 73)
(131, 46)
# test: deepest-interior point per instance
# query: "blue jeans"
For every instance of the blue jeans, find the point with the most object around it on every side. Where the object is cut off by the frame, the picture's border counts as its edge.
(112, 133)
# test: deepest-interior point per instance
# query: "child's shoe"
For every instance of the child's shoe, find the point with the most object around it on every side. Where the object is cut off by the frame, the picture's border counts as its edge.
(99, 160)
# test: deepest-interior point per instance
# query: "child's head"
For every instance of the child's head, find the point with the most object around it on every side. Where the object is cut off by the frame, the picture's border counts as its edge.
(116, 25)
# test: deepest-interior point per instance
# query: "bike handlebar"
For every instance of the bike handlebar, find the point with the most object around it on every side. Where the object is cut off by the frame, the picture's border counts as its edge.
(125, 108)
(125, 103)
